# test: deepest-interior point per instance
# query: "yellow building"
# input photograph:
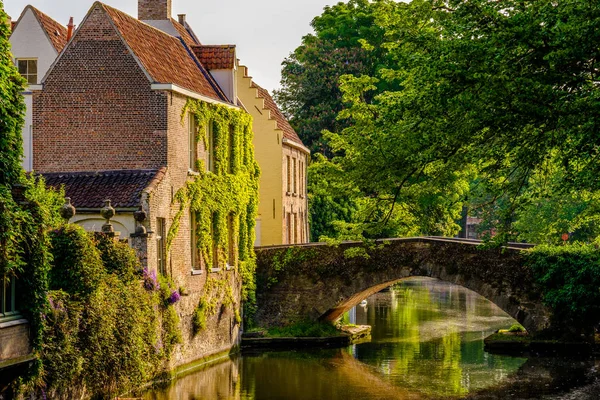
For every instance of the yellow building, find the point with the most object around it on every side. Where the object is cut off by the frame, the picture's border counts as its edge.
(283, 159)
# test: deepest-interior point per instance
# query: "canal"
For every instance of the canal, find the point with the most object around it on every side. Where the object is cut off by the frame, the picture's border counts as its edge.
(427, 343)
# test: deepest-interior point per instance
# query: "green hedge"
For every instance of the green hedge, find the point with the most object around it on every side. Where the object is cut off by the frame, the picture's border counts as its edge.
(570, 280)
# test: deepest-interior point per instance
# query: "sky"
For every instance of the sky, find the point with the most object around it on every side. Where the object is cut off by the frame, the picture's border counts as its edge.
(265, 31)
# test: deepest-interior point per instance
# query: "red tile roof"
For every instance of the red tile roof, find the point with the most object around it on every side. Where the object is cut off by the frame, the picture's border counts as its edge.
(56, 32)
(165, 58)
(216, 56)
(276, 114)
(90, 189)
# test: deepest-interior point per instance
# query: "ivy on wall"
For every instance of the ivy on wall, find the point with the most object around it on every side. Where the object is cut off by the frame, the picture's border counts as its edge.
(224, 202)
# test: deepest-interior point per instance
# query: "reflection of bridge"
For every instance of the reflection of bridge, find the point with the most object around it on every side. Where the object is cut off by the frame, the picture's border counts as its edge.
(318, 281)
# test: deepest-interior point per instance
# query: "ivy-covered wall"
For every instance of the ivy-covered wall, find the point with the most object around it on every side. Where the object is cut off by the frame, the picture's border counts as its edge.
(220, 207)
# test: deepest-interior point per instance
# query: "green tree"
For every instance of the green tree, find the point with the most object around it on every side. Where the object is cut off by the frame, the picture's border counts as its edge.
(310, 94)
(12, 108)
(496, 88)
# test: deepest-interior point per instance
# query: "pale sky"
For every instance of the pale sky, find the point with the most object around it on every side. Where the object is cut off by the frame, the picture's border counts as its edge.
(265, 31)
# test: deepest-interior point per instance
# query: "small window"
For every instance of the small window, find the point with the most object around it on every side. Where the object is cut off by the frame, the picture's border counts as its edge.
(289, 175)
(192, 142)
(8, 305)
(195, 251)
(210, 148)
(295, 177)
(161, 245)
(28, 70)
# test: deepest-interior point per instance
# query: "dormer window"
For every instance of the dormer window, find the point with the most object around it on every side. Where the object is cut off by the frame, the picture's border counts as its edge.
(28, 70)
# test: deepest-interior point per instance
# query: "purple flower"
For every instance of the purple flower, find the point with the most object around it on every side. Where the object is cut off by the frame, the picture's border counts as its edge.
(174, 298)
(150, 281)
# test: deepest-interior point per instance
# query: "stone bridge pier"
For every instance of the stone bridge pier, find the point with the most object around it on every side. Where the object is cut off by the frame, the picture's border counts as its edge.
(321, 282)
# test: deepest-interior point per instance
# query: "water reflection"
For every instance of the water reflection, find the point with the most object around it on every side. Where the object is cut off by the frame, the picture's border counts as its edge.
(427, 343)
(428, 337)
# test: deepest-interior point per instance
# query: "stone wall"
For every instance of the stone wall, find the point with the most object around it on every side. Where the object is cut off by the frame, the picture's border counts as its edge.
(14, 340)
(322, 282)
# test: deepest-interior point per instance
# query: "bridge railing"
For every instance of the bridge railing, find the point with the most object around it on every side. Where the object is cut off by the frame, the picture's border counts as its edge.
(474, 242)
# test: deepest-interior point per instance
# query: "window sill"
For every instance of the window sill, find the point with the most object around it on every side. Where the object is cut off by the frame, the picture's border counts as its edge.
(229, 267)
(215, 270)
(196, 272)
(288, 193)
(9, 322)
(295, 194)
(191, 172)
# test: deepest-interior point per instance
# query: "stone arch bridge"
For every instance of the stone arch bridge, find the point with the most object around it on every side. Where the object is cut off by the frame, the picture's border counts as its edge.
(321, 282)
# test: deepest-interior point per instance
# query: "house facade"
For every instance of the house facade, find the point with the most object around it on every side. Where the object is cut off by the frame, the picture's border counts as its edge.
(283, 205)
(129, 113)
(36, 40)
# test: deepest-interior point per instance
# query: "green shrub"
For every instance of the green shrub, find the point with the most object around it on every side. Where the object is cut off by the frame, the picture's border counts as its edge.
(77, 268)
(569, 277)
(199, 317)
(118, 258)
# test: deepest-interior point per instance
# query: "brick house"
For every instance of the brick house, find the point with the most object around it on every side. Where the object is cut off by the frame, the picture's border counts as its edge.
(110, 122)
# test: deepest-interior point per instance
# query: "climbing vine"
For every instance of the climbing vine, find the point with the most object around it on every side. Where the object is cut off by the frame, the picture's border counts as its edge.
(224, 202)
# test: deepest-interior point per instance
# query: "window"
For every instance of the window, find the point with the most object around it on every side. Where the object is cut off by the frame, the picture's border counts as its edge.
(295, 178)
(161, 245)
(231, 149)
(28, 70)
(302, 228)
(195, 252)
(289, 175)
(295, 228)
(210, 148)
(289, 228)
(192, 142)
(7, 298)
(231, 259)
(215, 242)
(302, 179)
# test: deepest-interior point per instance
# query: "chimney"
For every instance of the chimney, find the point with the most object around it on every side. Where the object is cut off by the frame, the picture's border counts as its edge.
(181, 18)
(70, 28)
(153, 10)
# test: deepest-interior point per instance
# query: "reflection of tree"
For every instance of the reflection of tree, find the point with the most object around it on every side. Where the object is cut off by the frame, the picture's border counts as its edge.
(420, 340)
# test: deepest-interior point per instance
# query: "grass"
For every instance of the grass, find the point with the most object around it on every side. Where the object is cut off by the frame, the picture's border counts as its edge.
(305, 329)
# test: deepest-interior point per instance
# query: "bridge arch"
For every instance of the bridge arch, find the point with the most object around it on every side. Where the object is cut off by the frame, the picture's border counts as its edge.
(321, 282)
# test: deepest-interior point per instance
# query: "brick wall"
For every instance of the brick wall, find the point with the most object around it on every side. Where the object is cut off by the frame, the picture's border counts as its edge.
(97, 111)
(154, 9)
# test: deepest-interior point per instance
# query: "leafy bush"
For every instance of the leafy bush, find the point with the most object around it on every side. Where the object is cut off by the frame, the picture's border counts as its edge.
(199, 317)
(570, 280)
(118, 258)
(77, 267)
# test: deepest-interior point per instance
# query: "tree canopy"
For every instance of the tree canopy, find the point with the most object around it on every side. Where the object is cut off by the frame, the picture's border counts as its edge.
(485, 103)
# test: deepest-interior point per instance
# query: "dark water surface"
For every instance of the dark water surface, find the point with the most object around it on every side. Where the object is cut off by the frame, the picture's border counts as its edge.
(427, 343)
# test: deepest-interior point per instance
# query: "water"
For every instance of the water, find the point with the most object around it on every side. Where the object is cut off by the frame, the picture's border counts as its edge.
(427, 343)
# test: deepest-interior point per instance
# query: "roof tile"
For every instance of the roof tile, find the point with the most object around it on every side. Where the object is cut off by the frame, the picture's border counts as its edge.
(91, 189)
(282, 123)
(55, 31)
(166, 58)
(216, 56)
